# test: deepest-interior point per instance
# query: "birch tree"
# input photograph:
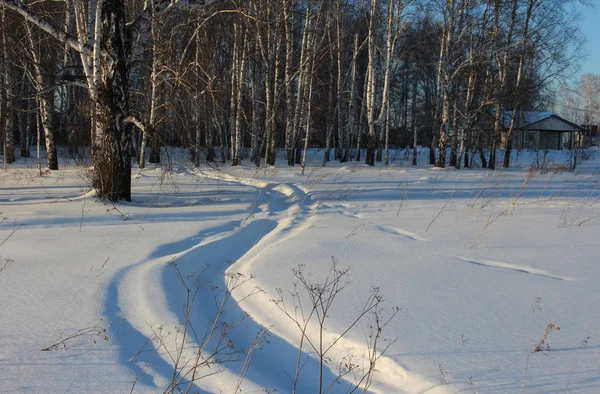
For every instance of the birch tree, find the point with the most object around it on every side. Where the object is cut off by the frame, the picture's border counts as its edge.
(44, 99)
(445, 79)
(371, 84)
(110, 50)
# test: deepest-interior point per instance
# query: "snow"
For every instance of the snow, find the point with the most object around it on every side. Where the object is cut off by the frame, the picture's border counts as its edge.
(479, 263)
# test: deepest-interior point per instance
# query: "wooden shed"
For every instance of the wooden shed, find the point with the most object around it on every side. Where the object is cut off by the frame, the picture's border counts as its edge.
(543, 130)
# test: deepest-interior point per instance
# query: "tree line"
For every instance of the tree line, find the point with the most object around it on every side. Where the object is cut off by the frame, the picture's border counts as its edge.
(248, 79)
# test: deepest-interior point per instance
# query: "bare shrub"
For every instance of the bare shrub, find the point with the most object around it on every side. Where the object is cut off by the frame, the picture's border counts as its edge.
(95, 332)
(196, 353)
(321, 297)
(542, 345)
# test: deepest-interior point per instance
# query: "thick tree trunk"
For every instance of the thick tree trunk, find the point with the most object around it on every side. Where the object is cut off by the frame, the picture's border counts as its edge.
(112, 170)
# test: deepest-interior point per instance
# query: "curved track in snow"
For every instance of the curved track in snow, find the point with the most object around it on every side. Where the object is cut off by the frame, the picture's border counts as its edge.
(147, 301)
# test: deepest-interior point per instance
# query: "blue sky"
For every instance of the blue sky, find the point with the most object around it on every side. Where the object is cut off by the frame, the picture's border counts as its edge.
(590, 25)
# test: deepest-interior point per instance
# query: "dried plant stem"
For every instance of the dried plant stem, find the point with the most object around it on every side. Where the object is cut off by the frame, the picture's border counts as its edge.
(525, 182)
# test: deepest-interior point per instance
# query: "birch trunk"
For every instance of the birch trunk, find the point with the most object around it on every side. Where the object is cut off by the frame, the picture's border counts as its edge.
(271, 120)
(257, 112)
(413, 120)
(330, 103)
(389, 53)
(341, 152)
(370, 99)
(310, 70)
(387, 134)
(454, 138)
(234, 87)
(113, 167)
(517, 87)
(502, 66)
(260, 87)
(307, 126)
(25, 125)
(352, 100)
(153, 87)
(197, 128)
(289, 87)
(444, 82)
(301, 89)
(240, 63)
(45, 106)
(466, 131)
(361, 120)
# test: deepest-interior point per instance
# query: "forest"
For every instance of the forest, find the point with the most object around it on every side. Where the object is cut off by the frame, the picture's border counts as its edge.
(116, 80)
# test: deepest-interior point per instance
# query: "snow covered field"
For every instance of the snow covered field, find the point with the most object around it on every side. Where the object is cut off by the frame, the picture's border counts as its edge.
(481, 264)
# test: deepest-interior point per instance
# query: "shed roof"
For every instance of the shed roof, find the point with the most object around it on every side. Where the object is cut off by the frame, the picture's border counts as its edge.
(528, 118)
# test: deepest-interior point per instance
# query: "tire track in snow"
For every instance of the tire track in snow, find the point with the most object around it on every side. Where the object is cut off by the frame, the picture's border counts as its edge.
(387, 229)
(144, 297)
(513, 267)
(402, 232)
(390, 376)
(138, 304)
(143, 300)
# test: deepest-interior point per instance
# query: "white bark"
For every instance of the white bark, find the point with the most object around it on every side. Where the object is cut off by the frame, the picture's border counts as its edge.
(444, 80)
(239, 71)
(352, 129)
(150, 128)
(370, 99)
(45, 106)
(289, 87)
(340, 153)
(302, 72)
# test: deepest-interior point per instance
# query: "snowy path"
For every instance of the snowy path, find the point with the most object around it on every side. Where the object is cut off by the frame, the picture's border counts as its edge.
(147, 300)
